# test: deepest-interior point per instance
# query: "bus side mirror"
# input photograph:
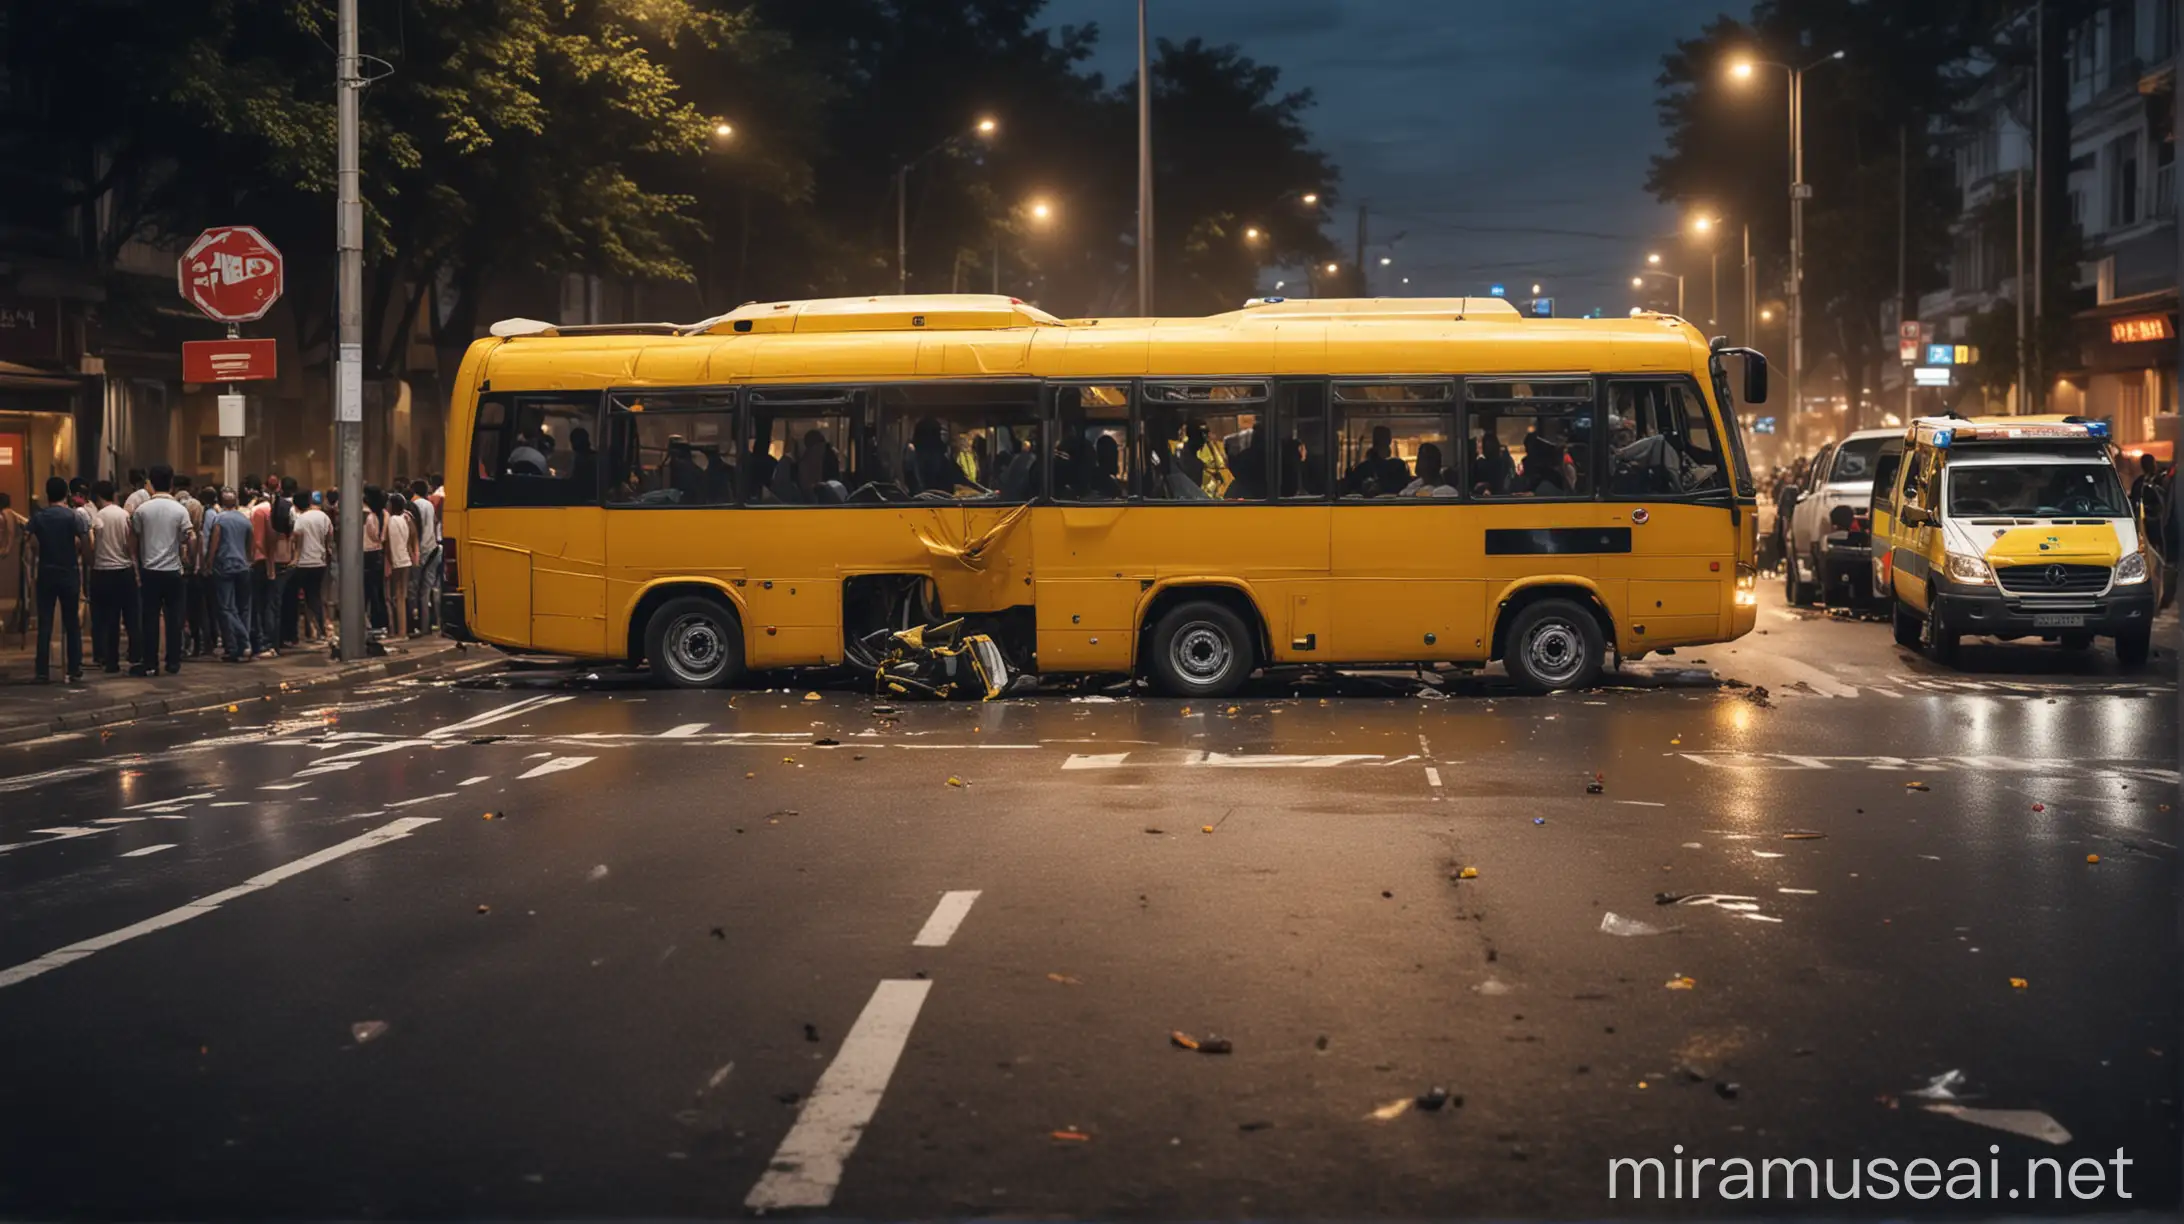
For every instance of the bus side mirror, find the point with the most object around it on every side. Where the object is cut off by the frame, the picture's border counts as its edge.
(1755, 378)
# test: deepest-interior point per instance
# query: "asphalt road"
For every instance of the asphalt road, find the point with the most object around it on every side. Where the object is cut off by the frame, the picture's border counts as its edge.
(713, 953)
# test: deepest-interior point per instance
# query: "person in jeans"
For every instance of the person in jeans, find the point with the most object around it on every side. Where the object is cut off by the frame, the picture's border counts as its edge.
(375, 559)
(425, 584)
(264, 569)
(58, 543)
(227, 556)
(162, 529)
(314, 538)
(202, 625)
(113, 580)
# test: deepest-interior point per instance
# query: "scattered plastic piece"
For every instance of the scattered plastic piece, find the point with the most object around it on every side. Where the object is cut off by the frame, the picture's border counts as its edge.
(597, 873)
(2030, 1123)
(1726, 1090)
(2092, 858)
(1493, 987)
(1468, 873)
(1681, 983)
(1539, 820)
(1597, 785)
(1612, 923)
(2039, 807)
(824, 742)
(233, 709)
(1802, 835)
(1917, 786)
(811, 696)
(1211, 1045)
(2018, 983)
(1073, 1136)
(955, 781)
(1391, 1110)
(1064, 979)
(485, 909)
(367, 1030)
(811, 1032)
(1940, 1088)
(1432, 1099)
(1205, 828)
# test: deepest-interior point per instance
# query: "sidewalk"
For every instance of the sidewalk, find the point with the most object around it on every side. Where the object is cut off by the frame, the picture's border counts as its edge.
(28, 709)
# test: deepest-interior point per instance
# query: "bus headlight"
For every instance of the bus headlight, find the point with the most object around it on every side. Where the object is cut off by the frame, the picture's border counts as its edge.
(1747, 586)
(2132, 569)
(1966, 568)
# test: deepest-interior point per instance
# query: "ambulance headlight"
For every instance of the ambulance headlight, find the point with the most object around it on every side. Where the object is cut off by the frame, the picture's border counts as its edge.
(2131, 569)
(1963, 567)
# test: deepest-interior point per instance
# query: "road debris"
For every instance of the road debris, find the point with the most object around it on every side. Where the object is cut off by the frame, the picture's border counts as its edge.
(487, 739)
(1917, 786)
(1598, 784)
(1727, 1090)
(1063, 979)
(1391, 1110)
(485, 909)
(1205, 828)
(1467, 873)
(1154, 831)
(955, 781)
(1757, 695)
(1492, 986)
(1433, 1098)
(811, 696)
(367, 1030)
(1249, 1127)
(1802, 835)
(1539, 820)
(825, 742)
(2017, 983)
(2030, 1123)
(2092, 858)
(597, 873)
(1612, 923)
(2039, 807)
(811, 1032)
(1942, 1087)
(1211, 1045)
(1680, 983)
(1072, 1136)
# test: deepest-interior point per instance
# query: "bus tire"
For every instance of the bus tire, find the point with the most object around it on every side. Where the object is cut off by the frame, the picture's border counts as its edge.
(1201, 649)
(2134, 646)
(694, 642)
(1906, 623)
(1554, 644)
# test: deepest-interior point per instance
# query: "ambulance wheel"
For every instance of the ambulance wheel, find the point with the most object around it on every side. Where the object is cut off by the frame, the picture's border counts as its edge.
(2133, 647)
(694, 642)
(1201, 649)
(1940, 642)
(1907, 626)
(1554, 644)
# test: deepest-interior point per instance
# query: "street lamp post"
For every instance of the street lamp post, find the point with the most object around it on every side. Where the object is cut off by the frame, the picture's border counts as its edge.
(985, 128)
(1799, 191)
(1638, 281)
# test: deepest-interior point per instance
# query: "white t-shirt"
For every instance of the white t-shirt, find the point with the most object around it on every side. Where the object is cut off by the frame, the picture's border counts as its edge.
(137, 497)
(110, 544)
(313, 531)
(398, 540)
(428, 525)
(162, 529)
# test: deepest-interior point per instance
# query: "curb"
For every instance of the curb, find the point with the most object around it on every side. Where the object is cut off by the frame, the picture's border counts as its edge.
(129, 711)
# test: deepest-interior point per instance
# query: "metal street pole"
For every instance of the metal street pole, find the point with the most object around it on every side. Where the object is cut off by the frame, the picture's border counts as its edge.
(2024, 387)
(1797, 257)
(1713, 287)
(1751, 307)
(349, 363)
(1903, 249)
(902, 228)
(1144, 171)
(2039, 188)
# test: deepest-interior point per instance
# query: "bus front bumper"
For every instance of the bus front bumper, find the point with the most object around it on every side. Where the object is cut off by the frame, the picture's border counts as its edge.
(1986, 610)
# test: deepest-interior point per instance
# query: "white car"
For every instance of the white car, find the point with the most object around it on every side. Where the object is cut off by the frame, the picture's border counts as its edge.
(1842, 477)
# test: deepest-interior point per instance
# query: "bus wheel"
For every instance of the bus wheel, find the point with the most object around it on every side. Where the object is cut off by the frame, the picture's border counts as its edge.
(2132, 647)
(1907, 626)
(1555, 644)
(693, 642)
(1201, 649)
(1940, 643)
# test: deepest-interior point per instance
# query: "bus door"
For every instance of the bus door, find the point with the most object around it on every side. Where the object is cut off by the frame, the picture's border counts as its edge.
(535, 541)
(1669, 484)
(1531, 475)
(1085, 591)
(1400, 588)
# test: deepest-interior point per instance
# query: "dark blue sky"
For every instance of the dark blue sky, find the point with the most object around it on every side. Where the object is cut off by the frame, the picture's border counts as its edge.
(1469, 125)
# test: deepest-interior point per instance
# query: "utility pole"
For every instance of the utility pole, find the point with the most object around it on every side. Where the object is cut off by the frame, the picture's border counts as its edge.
(902, 228)
(2023, 387)
(2039, 191)
(1144, 170)
(1364, 277)
(1751, 292)
(1798, 192)
(349, 363)
(1903, 248)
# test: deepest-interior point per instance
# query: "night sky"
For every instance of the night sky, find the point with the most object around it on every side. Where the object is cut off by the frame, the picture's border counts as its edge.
(1471, 126)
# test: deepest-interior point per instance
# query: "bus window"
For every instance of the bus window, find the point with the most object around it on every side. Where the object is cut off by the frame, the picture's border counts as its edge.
(812, 446)
(1300, 449)
(964, 441)
(1392, 439)
(1660, 442)
(535, 450)
(1092, 438)
(675, 448)
(1200, 436)
(1529, 437)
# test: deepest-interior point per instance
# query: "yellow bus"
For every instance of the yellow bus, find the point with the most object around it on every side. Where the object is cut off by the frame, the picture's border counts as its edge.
(1345, 482)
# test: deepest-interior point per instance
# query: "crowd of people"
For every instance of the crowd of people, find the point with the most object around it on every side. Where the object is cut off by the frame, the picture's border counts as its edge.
(167, 569)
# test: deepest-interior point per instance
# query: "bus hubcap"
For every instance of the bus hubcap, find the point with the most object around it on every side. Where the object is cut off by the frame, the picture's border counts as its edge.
(693, 645)
(1201, 652)
(1555, 652)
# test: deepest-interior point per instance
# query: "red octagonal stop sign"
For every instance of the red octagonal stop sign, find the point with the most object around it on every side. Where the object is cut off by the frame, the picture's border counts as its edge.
(231, 273)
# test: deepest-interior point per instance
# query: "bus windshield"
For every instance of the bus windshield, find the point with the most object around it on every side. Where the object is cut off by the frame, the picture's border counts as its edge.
(2045, 490)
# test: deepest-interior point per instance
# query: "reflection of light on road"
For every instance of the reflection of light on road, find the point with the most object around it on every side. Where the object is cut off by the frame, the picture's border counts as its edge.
(2044, 721)
(1979, 724)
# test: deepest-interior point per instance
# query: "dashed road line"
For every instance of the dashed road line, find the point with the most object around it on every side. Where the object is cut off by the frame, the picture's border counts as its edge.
(1433, 777)
(513, 709)
(141, 851)
(400, 803)
(156, 805)
(949, 914)
(683, 730)
(476, 780)
(556, 765)
(74, 952)
(807, 1168)
(284, 786)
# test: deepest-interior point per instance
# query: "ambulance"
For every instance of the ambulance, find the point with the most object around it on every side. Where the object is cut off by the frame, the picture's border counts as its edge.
(2014, 527)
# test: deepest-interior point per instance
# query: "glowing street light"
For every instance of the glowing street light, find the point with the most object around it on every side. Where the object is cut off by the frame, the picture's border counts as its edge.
(1654, 259)
(1766, 316)
(1041, 211)
(1310, 198)
(1535, 290)
(987, 126)
(1702, 224)
(1331, 269)
(723, 130)
(1385, 261)
(1637, 282)
(1252, 234)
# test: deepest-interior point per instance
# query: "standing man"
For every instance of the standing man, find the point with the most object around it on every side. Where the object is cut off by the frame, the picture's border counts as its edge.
(425, 586)
(227, 555)
(58, 543)
(113, 580)
(162, 534)
(140, 490)
(265, 631)
(314, 537)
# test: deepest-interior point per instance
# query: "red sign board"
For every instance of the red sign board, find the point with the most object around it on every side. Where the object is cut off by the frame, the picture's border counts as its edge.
(231, 273)
(2139, 328)
(218, 361)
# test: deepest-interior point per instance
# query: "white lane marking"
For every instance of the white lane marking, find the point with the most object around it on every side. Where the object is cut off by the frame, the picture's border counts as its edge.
(1403, 760)
(1640, 803)
(422, 799)
(166, 809)
(141, 851)
(1885, 692)
(557, 765)
(284, 786)
(684, 731)
(231, 803)
(119, 820)
(1095, 760)
(1800, 892)
(161, 804)
(59, 833)
(18, 974)
(158, 817)
(1433, 776)
(511, 710)
(50, 776)
(957, 747)
(476, 780)
(954, 907)
(327, 768)
(1827, 685)
(1279, 761)
(807, 1167)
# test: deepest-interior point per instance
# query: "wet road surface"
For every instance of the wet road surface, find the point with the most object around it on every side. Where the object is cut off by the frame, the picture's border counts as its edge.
(716, 953)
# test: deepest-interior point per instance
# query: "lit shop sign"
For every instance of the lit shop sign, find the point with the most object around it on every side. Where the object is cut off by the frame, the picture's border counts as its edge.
(2139, 328)
(1930, 376)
